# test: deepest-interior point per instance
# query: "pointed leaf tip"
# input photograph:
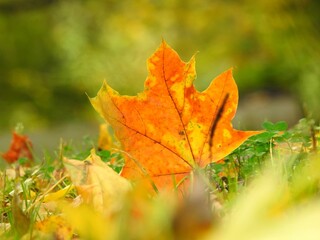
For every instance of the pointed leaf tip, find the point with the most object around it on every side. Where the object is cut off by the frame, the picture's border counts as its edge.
(167, 129)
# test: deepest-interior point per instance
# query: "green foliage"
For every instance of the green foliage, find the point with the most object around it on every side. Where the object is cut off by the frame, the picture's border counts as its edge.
(275, 128)
(247, 162)
(114, 159)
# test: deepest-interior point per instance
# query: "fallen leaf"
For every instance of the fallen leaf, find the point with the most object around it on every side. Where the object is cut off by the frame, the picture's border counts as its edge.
(98, 184)
(20, 148)
(170, 128)
(88, 223)
(55, 227)
(105, 140)
(21, 223)
(54, 196)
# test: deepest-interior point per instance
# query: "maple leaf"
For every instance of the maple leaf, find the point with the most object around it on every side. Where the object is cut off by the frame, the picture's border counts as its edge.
(170, 128)
(20, 147)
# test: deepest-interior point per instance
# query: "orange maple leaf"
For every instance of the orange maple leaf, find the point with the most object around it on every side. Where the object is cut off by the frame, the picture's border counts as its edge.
(20, 147)
(170, 128)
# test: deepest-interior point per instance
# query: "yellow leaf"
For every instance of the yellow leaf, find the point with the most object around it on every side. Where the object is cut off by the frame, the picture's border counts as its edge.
(98, 184)
(55, 226)
(58, 194)
(87, 223)
(105, 140)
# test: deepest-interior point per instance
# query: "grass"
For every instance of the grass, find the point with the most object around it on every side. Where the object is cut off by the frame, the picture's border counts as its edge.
(268, 188)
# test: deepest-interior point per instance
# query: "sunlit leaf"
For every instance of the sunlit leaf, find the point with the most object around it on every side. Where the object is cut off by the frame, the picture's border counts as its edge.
(171, 128)
(98, 184)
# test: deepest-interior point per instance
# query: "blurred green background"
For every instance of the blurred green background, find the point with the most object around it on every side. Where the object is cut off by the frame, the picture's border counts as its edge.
(52, 52)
